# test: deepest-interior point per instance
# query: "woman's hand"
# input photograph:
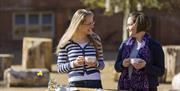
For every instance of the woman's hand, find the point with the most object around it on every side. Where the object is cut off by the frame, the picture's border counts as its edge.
(79, 61)
(91, 63)
(126, 62)
(139, 65)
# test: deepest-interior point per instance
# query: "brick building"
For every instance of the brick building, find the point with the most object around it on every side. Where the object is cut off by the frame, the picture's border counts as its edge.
(49, 18)
(40, 18)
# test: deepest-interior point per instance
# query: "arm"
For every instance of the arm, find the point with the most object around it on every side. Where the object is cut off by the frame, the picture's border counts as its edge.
(63, 65)
(100, 62)
(156, 65)
(118, 64)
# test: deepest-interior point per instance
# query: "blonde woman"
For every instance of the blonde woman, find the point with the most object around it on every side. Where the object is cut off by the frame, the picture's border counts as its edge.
(80, 52)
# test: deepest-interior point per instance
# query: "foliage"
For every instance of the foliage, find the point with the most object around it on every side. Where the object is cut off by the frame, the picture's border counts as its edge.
(94, 3)
(126, 6)
(122, 4)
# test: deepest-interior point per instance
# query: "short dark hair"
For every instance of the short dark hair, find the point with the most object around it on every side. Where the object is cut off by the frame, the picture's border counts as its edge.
(141, 20)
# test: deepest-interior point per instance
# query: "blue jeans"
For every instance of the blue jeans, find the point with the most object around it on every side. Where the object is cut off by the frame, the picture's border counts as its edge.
(86, 84)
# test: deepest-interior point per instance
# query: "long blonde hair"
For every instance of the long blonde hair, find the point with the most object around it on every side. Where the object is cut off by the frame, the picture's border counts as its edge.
(77, 19)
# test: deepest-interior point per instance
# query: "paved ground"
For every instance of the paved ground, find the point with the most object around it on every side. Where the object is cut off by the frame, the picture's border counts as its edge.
(107, 80)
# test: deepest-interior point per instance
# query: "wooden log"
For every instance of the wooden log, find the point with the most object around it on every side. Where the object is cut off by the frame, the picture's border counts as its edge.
(37, 53)
(5, 62)
(26, 77)
(172, 61)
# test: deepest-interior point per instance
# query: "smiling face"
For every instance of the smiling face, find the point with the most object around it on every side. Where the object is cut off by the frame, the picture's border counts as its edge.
(131, 27)
(87, 26)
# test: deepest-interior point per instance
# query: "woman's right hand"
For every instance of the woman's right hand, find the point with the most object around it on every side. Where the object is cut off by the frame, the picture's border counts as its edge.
(126, 62)
(79, 61)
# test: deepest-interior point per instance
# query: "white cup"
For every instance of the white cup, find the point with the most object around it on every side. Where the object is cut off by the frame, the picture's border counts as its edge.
(134, 60)
(90, 58)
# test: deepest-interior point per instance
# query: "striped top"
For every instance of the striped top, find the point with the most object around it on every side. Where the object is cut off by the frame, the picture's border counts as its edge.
(70, 52)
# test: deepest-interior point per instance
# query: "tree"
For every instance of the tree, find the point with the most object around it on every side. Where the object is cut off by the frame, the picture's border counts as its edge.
(126, 6)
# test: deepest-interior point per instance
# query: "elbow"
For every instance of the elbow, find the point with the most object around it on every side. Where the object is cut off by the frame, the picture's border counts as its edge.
(101, 65)
(162, 72)
(59, 69)
(117, 68)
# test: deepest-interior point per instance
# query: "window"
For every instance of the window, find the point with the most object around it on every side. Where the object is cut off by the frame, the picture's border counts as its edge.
(40, 24)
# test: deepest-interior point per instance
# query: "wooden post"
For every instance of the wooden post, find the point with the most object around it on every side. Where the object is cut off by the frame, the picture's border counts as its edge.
(5, 62)
(172, 61)
(37, 53)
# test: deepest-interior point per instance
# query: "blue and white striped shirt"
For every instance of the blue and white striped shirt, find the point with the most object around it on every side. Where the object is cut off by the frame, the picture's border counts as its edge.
(70, 52)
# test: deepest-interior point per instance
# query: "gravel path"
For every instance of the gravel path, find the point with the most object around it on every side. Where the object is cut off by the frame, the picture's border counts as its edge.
(106, 76)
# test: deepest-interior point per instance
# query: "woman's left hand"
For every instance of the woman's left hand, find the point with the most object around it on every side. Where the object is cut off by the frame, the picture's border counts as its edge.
(91, 64)
(140, 64)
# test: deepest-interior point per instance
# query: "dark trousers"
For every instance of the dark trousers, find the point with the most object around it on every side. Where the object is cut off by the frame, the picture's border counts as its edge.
(86, 84)
(153, 89)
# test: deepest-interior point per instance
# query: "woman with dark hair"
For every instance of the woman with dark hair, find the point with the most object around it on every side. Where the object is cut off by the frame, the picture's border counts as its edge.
(141, 58)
